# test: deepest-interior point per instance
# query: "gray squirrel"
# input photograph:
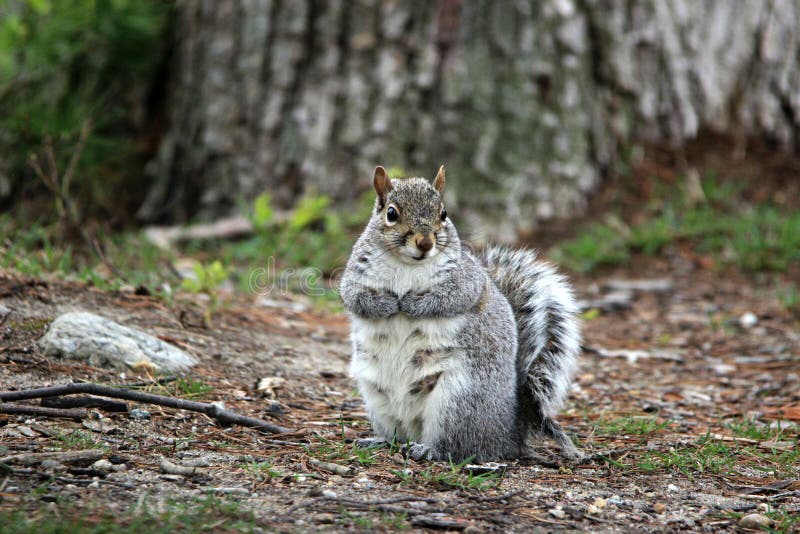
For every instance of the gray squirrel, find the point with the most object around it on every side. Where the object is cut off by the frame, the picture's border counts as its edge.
(456, 354)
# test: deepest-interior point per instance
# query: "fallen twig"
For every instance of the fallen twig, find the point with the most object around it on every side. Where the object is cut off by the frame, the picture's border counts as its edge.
(27, 409)
(503, 497)
(175, 469)
(221, 415)
(343, 470)
(87, 455)
(364, 504)
(85, 401)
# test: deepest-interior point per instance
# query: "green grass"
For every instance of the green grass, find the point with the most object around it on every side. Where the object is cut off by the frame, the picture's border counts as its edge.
(717, 457)
(784, 521)
(294, 253)
(630, 425)
(751, 429)
(206, 514)
(759, 237)
(338, 451)
(34, 249)
(452, 477)
(705, 457)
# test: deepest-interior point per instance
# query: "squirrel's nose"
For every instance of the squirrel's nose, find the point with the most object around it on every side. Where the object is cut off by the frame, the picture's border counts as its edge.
(424, 242)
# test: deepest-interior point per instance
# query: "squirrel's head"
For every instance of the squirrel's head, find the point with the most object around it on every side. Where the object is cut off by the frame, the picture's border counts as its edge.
(410, 216)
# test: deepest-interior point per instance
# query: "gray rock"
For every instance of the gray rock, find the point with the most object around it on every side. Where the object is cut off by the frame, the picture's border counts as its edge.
(139, 413)
(755, 521)
(103, 465)
(103, 343)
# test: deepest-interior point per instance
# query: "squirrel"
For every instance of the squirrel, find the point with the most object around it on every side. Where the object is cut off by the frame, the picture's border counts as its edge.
(458, 355)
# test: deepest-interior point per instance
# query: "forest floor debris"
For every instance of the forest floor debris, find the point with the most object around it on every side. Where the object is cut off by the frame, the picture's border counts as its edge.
(704, 439)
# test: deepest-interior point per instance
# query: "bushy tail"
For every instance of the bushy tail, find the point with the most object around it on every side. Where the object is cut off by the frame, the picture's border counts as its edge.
(549, 336)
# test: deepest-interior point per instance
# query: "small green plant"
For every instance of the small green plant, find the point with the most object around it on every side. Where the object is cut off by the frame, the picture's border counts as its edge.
(262, 471)
(189, 387)
(78, 440)
(314, 234)
(207, 279)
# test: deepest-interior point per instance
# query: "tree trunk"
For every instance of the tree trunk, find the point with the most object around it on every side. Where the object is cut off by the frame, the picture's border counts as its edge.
(528, 103)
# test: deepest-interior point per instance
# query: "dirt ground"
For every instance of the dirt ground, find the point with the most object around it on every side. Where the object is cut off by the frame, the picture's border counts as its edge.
(687, 403)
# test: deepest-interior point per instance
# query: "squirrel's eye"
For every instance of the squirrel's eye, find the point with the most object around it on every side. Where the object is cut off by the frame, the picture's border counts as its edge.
(444, 214)
(392, 215)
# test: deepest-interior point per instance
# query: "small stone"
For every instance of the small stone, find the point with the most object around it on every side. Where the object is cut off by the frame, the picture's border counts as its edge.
(94, 485)
(329, 494)
(118, 468)
(139, 414)
(267, 385)
(748, 320)
(473, 529)
(557, 513)
(27, 431)
(672, 487)
(755, 521)
(600, 503)
(659, 507)
(103, 465)
(592, 509)
(762, 507)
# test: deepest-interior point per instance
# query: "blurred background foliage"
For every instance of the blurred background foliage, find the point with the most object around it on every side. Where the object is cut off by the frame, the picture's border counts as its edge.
(70, 65)
(83, 87)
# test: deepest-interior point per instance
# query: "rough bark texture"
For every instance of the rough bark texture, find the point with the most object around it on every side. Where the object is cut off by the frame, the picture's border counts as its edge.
(527, 102)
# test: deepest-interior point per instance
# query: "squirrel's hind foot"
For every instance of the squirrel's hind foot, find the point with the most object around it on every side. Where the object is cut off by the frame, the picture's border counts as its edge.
(419, 452)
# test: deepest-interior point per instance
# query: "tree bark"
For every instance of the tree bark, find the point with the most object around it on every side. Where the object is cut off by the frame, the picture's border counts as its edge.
(528, 103)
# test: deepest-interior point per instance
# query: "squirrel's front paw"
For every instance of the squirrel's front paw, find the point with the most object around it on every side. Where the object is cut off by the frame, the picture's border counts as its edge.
(420, 452)
(412, 302)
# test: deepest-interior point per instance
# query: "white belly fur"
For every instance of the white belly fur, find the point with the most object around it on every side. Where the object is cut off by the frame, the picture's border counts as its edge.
(383, 350)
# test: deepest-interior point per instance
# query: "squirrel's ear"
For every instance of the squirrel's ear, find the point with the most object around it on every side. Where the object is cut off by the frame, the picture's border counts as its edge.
(382, 184)
(438, 182)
